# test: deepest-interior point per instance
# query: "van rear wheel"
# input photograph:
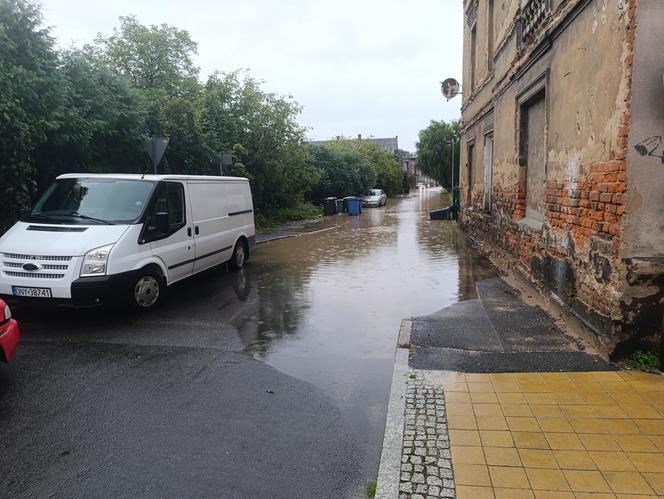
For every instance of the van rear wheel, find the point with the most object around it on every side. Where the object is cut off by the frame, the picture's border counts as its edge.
(146, 290)
(239, 256)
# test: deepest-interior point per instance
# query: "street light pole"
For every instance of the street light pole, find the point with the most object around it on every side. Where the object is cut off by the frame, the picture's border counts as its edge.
(451, 143)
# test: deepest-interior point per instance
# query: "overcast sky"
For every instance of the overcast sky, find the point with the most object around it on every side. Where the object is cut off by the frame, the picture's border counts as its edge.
(357, 66)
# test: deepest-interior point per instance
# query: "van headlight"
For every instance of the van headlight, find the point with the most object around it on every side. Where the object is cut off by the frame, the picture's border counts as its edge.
(8, 313)
(94, 261)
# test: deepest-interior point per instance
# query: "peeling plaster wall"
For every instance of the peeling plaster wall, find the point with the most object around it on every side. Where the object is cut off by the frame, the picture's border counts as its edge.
(644, 223)
(581, 57)
(642, 300)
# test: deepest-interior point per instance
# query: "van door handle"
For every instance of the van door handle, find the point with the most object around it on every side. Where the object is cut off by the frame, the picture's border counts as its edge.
(189, 231)
(196, 230)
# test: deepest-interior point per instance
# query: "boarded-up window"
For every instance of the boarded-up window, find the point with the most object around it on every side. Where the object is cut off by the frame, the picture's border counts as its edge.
(533, 154)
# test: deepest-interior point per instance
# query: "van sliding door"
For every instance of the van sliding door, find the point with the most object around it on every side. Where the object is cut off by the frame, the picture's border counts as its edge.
(210, 203)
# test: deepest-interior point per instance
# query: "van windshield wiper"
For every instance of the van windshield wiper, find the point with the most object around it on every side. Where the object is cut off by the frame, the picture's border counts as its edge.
(92, 219)
(59, 218)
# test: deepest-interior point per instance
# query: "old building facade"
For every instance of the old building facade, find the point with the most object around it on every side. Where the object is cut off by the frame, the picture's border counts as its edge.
(562, 165)
(409, 166)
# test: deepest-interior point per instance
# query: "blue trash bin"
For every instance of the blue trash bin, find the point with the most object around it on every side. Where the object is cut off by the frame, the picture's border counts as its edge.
(354, 206)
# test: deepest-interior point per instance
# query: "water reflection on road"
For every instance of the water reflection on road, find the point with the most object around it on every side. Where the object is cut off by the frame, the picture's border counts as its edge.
(330, 303)
(324, 307)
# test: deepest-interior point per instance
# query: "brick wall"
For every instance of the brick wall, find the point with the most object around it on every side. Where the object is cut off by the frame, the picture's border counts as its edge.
(576, 253)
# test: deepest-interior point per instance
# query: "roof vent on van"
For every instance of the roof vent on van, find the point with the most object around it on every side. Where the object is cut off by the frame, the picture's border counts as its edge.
(47, 228)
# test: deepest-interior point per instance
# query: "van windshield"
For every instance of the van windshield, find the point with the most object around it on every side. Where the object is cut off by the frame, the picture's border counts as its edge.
(93, 200)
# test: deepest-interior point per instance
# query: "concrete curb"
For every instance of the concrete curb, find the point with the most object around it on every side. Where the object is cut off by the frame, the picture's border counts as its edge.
(274, 238)
(389, 472)
(404, 333)
(268, 237)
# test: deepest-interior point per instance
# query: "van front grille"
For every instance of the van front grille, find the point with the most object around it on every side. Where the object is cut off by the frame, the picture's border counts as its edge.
(33, 275)
(48, 266)
(32, 258)
(35, 266)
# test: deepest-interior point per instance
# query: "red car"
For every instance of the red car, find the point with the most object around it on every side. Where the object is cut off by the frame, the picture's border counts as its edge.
(9, 333)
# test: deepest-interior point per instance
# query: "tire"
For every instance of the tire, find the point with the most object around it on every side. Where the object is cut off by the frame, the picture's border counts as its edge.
(239, 256)
(146, 291)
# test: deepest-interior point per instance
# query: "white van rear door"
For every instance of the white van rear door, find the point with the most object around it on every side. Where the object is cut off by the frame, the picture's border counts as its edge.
(210, 202)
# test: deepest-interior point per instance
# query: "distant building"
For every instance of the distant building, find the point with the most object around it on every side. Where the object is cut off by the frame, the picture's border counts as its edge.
(409, 165)
(387, 144)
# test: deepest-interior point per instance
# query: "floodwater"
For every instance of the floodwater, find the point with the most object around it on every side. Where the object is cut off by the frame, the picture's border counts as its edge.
(331, 302)
(324, 307)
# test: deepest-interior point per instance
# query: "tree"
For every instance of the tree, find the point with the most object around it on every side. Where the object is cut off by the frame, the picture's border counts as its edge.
(405, 183)
(155, 59)
(102, 123)
(31, 102)
(387, 171)
(92, 109)
(343, 173)
(434, 152)
(234, 112)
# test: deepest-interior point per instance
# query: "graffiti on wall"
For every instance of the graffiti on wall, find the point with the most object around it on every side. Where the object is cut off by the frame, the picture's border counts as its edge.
(652, 146)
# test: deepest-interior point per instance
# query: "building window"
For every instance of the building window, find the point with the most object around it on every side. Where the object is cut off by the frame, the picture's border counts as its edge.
(473, 55)
(490, 36)
(533, 153)
(469, 179)
(488, 170)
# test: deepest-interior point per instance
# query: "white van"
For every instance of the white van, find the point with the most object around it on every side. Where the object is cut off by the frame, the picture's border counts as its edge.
(94, 239)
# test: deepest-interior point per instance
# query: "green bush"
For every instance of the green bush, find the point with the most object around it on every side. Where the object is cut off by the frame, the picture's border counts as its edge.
(90, 110)
(268, 221)
(371, 489)
(642, 360)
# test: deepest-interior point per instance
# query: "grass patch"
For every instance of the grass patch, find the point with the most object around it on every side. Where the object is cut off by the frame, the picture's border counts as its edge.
(271, 220)
(371, 489)
(642, 360)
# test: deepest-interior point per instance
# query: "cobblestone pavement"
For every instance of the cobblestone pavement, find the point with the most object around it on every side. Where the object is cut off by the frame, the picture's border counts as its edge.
(426, 465)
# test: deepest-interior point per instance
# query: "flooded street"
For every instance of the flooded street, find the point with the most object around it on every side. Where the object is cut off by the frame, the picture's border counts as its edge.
(331, 302)
(270, 382)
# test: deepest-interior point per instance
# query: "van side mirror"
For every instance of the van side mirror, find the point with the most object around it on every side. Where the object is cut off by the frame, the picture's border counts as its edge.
(161, 221)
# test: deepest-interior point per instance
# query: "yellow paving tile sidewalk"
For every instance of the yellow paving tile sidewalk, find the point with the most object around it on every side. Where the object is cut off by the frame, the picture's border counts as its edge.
(556, 435)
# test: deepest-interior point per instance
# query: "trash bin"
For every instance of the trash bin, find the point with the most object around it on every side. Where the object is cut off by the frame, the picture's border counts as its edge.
(329, 206)
(346, 203)
(340, 206)
(354, 206)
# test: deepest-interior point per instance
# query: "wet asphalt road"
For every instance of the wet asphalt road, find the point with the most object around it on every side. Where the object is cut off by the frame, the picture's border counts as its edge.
(272, 382)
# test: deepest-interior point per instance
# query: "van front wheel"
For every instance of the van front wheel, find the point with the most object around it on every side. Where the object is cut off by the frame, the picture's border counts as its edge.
(239, 256)
(146, 291)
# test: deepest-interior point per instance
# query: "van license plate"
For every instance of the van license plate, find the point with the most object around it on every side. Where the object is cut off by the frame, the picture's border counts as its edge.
(32, 292)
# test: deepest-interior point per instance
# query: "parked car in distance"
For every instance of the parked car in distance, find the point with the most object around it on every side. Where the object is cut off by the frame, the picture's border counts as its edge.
(374, 197)
(93, 239)
(9, 333)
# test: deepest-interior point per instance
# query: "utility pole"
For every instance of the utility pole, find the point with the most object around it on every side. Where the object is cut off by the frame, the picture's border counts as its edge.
(452, 169)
